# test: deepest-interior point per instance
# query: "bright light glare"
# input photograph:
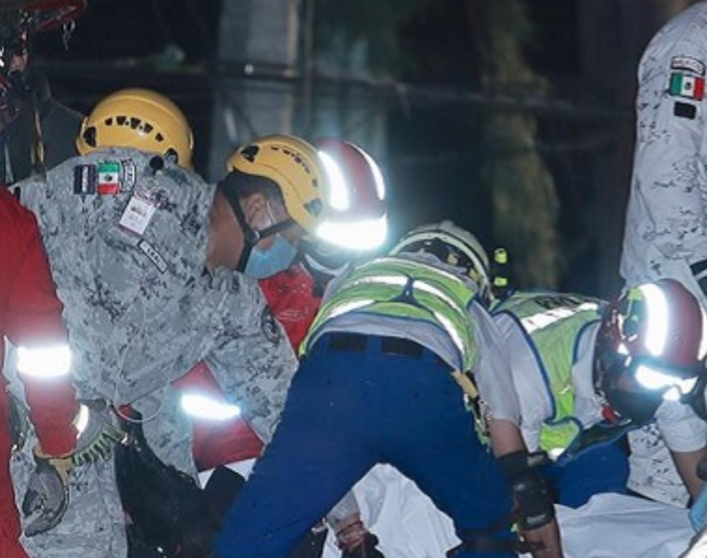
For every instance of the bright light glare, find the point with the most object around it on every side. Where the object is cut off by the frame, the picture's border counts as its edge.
(338, 189)
(203, 407)
(44, 362)
(651, 379)
(361, 235)
(377, 175)
(657, 326)
(82, 420)
(703, 340)
(654, 380)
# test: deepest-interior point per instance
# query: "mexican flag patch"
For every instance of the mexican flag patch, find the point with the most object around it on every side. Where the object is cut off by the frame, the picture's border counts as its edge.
(108, 178)
(687, 86)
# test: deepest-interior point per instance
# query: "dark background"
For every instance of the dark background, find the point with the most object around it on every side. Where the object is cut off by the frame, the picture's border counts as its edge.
(119, 43)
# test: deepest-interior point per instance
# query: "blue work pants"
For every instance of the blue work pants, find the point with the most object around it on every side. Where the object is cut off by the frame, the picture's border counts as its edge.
(350, 407)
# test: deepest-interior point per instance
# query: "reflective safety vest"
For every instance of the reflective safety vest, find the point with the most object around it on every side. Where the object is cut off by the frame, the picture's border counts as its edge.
(553, 323)
(408, 290)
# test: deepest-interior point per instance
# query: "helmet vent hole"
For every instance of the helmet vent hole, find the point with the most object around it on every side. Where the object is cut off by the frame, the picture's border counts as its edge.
(135, 123)
(121, 120)
(159, 137)
(89, 136)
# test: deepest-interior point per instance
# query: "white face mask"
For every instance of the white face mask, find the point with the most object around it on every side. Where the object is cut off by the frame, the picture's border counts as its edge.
(266, 263)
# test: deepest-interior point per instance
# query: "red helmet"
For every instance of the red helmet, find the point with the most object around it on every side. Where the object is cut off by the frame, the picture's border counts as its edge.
(651, 347)
(356, 213)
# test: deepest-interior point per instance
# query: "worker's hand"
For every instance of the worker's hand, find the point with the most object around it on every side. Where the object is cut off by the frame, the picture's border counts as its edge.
(96, 434)
(547, 538)
(534, 506)
(698, 511)
(47, 495)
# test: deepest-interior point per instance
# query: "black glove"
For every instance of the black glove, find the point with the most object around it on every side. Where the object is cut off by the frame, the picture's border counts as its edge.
(47, 495)
(532, 496)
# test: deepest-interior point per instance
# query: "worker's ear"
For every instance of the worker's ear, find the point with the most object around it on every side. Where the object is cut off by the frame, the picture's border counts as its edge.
(255, 210)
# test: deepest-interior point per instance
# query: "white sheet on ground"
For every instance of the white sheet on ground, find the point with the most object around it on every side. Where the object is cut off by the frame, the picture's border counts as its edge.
(608, 526)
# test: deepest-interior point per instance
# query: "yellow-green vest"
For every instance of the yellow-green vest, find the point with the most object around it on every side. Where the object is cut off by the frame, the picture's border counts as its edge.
(407, 290)
(553, 322)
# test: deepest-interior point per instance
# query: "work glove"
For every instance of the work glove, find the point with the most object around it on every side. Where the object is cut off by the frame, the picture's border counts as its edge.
(533, 500)
(96, 434)
(47, 495)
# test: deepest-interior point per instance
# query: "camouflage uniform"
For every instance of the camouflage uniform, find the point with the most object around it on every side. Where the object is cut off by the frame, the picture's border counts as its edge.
(666, 221)
(141, 312)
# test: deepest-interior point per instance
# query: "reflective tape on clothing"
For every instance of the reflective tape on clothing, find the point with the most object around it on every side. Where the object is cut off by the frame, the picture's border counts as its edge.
(44, 362)
(394, 287)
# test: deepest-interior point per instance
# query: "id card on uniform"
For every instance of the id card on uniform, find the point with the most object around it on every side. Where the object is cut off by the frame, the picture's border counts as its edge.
(138, 213)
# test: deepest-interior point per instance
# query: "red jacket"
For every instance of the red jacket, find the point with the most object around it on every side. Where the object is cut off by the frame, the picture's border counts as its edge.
(292, 297)
(30, 315)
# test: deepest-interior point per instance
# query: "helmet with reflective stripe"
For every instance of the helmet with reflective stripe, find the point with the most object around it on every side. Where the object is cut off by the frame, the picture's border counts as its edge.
(356, 217)
(651, 347)
(141, 119)
(452, 245)
(293, 164)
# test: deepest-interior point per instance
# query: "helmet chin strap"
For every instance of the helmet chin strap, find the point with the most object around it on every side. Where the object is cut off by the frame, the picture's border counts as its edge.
(251, 236)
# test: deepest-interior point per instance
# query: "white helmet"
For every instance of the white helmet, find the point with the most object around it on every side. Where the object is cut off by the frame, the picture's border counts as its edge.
(452, 245)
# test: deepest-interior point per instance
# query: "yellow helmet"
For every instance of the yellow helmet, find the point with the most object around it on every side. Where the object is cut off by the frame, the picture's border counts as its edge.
(293, 164)
(141, 119)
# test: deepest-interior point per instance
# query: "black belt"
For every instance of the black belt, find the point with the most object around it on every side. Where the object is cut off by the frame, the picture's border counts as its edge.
(358, 342)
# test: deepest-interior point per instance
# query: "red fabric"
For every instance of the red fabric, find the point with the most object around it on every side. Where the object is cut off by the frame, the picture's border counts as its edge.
(217, 442)
(291, 297)
(30, 314)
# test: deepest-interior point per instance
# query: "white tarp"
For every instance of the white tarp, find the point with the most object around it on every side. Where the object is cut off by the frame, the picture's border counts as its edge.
(608, 526)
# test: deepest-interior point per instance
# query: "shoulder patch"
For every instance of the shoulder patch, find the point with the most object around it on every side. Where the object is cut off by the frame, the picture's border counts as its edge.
(269, 325)
(85, 179)
(684, 110)
(154, 256)
(687, 63)
(687, 86)
(129, 174)
(108, 182)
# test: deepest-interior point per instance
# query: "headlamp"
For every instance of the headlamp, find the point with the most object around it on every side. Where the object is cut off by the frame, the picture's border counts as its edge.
(359, 235)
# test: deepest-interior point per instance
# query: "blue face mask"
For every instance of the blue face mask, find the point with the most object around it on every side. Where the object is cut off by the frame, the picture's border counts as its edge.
(266, 263)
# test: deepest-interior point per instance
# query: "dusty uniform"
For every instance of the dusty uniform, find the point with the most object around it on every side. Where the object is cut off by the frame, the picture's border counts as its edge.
(666, 222)
(126, 237)
(30, 316)
(550, 338)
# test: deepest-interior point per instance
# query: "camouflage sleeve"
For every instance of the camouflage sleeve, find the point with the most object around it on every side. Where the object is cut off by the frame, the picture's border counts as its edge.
(665, 221)
(253, 360)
